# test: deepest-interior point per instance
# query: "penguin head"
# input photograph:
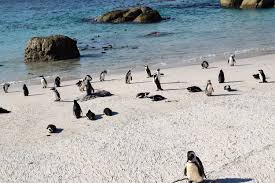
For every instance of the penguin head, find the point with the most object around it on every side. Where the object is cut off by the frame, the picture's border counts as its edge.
(191, 156)
(75, 102)
(261, 71)
(158, 70)
(209, 81)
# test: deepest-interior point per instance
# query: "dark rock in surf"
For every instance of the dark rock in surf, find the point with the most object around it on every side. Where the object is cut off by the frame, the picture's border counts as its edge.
(136, 14)
(52, 48)
(244, 4)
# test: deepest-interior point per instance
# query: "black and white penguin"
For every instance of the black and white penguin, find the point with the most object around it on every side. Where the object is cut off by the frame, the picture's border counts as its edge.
(43, 82)
(91, 115)
(157, 82)
(262, 76)
(256, 76)
(89, 88)
(6, 87)
(209, 88)
(221, 77)
(194, 89)
(25, 90)
(193, 168)
(156, 98)
(227, 88)
(142, 95)
(108, 112)
(159, 74)
(147, 70)
(57, 81)
(204, 64)
(56, 94)
(77, 110)
(2, 110)
(231, 60)
(51, 128)
(102, 75)
(81, 85)
(128, 77)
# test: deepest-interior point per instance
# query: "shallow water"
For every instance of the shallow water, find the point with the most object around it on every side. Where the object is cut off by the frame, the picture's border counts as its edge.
(197, 30)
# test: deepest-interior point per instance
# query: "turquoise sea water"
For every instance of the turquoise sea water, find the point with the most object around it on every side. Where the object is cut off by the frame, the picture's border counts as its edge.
(197, 29)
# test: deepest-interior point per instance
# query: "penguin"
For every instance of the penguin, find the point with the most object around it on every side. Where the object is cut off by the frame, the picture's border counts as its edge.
(204, 64)
(57, 81)
(6, 87)
(81, 85)
(102, 75)
(209, 88)
(51, 128)
(89, 88)
(193, 168)
(256, 76)
(25, 89)
(147, 70)
(91, 115)
(142, 95)
(157, 98)
(43, 82)
(128, 77)
(56, 94)
(77, 110)
(262, 76)
(231, 60)
(221, 77)
(159, 74)
(2, 110)
(108, 112)
(157, 82)
(194, 89)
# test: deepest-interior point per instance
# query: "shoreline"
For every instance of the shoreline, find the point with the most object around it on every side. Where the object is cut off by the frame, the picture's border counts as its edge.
(153, 67)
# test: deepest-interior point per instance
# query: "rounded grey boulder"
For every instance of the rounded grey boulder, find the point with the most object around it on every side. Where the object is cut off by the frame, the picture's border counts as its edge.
(51, 48)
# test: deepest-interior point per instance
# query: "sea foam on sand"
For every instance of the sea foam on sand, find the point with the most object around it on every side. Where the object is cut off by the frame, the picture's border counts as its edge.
(233, 133)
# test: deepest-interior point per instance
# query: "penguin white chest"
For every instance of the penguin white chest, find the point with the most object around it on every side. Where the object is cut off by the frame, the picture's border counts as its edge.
(43, 82)
(231, 61)
(192, 172)
(261, 77)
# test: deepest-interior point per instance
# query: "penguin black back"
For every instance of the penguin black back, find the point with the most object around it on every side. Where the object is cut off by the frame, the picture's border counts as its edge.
(194, 89)
(51, 128)
(2, 110)
(91, 115)
(108, 112)
(25, 89)
(204, 64)
(221, 77)
(57, 81)
(77, 110)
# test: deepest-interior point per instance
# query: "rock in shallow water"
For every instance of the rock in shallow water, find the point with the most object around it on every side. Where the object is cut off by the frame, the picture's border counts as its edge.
(247, 3)
(136, 14)
(52, 48)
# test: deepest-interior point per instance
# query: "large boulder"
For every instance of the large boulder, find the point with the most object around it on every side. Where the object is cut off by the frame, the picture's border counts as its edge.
(136, 14)
(247, 3)
(52, 48)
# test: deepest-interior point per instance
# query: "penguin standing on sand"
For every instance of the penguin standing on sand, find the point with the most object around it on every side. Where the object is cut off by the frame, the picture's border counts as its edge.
(57, 81)
(204, 64)
(89, 88)
(102, 75)
(43, 82)
(157, 82)
(25, 89)
(149, 75)
(209, 88)
(262, 76)
(231, 60)
(77, 110)
(221, 77)
(128, 77)
(6, 87)
(56, 94)
(193, 168)
(91, 115)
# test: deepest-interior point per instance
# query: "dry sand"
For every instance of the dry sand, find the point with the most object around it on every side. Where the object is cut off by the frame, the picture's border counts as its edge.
(233, 133)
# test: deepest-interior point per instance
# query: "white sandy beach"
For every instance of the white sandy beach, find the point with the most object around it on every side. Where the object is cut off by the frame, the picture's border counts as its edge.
(233, 133)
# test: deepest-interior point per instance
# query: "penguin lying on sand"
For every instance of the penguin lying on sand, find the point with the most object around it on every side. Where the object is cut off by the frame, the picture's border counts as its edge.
(51, 128)
(142, 95)
(2, 111)
(108, 112)
(157, 98)
(194, 89)
(204, 64)
(91, 115)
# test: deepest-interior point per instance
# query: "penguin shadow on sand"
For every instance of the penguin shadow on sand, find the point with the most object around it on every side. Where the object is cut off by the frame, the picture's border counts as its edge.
(224, 94)
(233, 81)
(36, 94)
(174, 89)
(175, 82)
(229, 180)
(139, 82)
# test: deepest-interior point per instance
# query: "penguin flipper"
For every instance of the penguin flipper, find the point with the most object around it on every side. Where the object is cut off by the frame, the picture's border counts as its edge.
(185, 171)
(201, 169)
